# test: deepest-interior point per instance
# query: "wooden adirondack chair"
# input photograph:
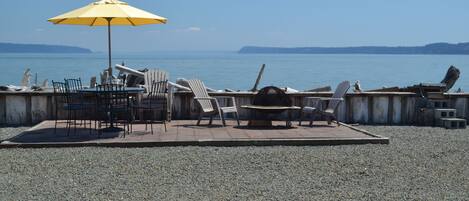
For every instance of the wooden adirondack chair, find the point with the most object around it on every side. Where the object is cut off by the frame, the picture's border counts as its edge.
(209, 105)
(155, 99)
(329, 112)
(154, 75)
(158, 75)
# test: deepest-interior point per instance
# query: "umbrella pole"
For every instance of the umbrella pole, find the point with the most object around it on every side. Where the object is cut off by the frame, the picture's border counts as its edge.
(109, 44)
(109, 69)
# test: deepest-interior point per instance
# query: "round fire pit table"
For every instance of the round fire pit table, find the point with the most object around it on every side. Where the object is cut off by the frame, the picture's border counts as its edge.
(254, 121)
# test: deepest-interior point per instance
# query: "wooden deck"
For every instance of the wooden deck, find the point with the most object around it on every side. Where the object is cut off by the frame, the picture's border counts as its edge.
(186, 133)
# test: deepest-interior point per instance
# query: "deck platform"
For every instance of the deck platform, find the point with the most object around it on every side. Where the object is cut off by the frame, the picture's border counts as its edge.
(186, 133)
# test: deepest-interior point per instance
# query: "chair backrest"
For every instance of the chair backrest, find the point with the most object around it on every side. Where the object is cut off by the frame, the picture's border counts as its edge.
(111, 96)
(73, 84)
(154, 75)
(60, 93)
(340, 92)
(158, 94)
(199, 90)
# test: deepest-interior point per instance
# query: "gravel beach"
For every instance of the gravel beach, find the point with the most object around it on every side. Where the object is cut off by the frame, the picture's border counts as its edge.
(418, 164)
(8, 132)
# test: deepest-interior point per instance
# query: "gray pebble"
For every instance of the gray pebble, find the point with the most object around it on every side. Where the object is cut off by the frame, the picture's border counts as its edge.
(418, 164)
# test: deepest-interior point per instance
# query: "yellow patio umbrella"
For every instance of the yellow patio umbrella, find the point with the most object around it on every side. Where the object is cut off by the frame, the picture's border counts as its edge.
(107, 13)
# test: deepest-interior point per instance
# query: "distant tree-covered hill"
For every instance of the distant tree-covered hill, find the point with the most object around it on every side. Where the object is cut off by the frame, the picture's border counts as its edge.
(36, 48)
(434, 48)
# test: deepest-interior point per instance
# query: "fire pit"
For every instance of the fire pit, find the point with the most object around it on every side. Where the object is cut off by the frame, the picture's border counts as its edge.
(269, 100)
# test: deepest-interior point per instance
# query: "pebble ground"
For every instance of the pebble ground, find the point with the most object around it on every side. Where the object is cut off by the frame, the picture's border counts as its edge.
(418, 164)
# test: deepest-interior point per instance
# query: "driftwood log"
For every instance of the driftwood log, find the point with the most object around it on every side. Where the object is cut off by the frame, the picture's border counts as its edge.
(452, 75)
(93, 82)
(290, 90)
(136, 77)
(45, 83)
(386, 89)
(320, 89)
(26, 78)
(259, 77)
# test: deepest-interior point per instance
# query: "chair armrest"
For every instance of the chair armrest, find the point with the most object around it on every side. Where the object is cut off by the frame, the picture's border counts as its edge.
(320, 102)
(337, 99)
(228, 97)
(223, 97)
(204, 98)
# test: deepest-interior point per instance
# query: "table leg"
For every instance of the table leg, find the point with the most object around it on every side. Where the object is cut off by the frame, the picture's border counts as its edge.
(111, 127)
(289, 119)
(139, 100)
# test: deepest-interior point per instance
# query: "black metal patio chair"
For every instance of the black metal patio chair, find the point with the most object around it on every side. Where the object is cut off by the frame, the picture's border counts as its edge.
(70, 102)
(74, 85)
(113, 107)
(155, 101)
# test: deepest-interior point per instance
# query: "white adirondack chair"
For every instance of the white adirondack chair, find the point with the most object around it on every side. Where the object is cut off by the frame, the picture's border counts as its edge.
(329, 112)
(158, 75)
(210, 105)
(154, 75)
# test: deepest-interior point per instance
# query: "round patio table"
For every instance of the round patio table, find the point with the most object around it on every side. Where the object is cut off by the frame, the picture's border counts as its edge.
(130, 90)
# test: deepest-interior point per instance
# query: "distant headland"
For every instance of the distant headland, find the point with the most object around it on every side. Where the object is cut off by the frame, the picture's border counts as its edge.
(37, 48)
(434, 48)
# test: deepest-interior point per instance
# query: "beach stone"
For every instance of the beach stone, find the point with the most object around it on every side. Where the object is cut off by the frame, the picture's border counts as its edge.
(420, 163)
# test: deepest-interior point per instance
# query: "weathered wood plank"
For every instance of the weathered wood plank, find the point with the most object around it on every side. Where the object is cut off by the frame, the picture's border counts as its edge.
(3, 113)
(370, 110)
(397, 109)
(410, 111)
(349, 110)
(50, 108)
(404, 116)
(39, 109)
(16, 110)
(342, 111)
(460, 104)
(380, 110)
(358, 107)
(360, 110)
(467, 108)
(390, 110)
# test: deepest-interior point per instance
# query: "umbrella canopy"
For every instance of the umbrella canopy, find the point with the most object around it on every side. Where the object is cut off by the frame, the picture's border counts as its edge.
(108, 13)
(98, 14)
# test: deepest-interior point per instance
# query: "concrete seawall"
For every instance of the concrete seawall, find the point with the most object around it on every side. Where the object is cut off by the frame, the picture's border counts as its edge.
(389, 108)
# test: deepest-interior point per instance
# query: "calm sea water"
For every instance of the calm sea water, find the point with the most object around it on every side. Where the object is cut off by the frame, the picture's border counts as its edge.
(238, 71)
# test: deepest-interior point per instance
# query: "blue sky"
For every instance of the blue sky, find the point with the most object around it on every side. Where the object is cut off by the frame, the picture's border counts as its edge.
(231, 24)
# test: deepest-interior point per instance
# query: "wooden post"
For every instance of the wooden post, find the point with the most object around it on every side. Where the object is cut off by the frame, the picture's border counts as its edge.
(404, 111)
(349, 110)
(259, 76)
(370, 110)
(390, 110)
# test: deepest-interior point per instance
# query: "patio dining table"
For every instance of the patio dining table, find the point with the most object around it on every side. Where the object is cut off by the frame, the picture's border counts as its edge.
(132, 91)
(129, 90)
